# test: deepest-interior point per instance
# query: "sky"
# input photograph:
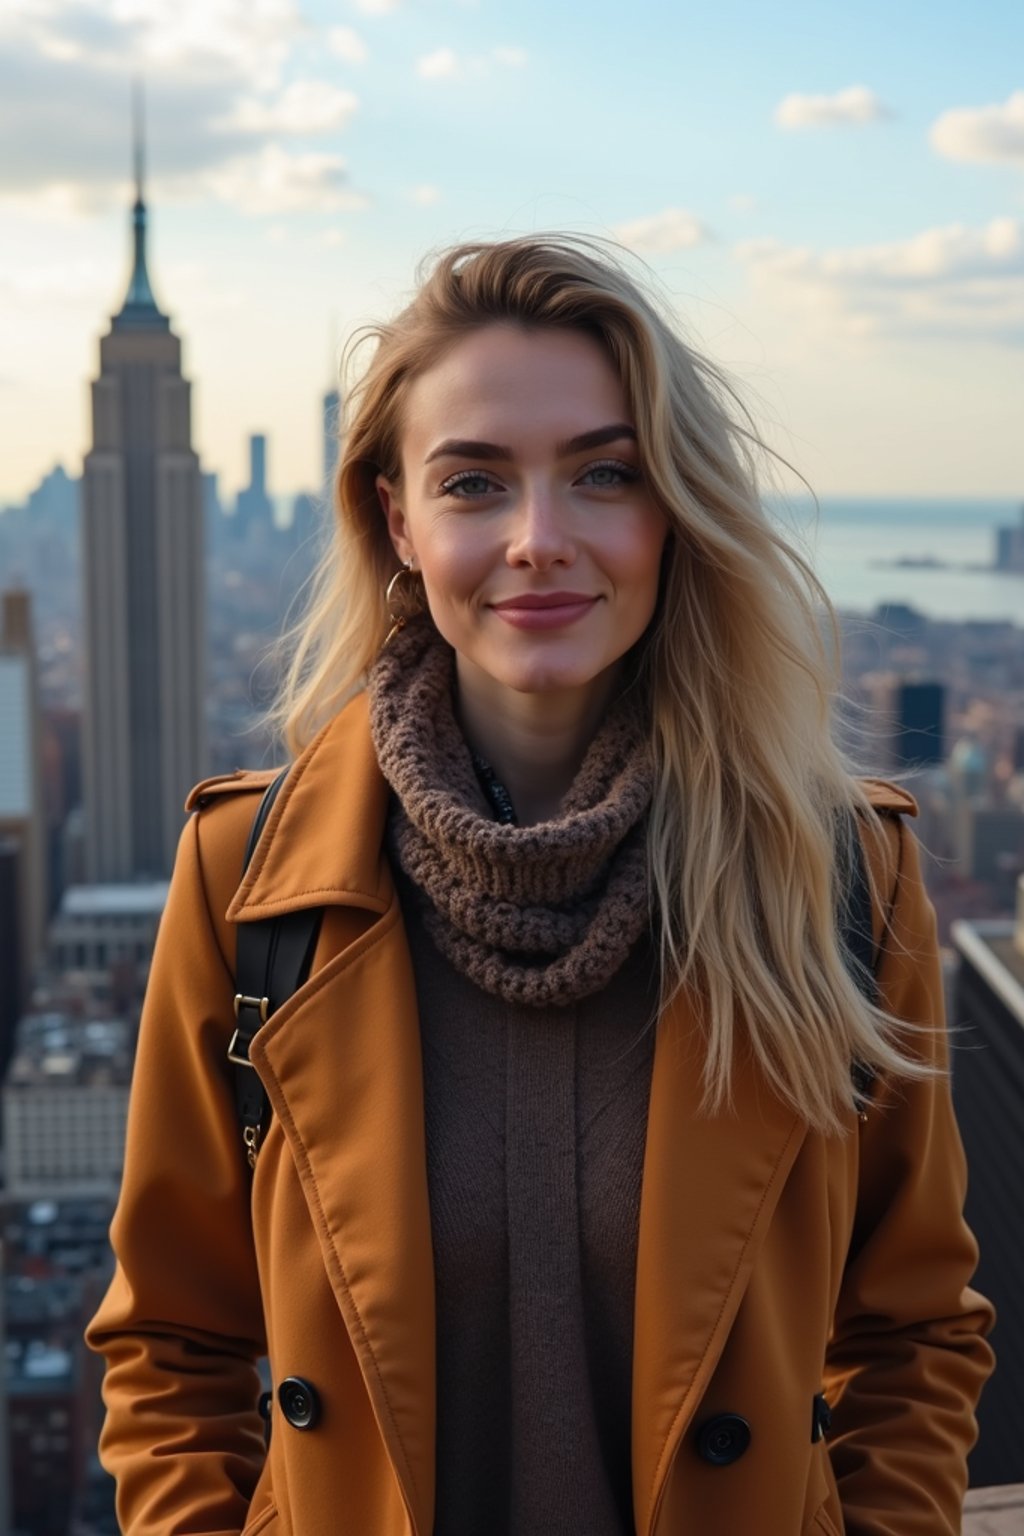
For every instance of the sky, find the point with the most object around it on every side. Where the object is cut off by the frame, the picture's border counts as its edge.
(830, 196)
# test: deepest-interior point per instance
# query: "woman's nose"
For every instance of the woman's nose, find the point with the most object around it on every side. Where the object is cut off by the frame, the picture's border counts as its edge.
(541, 532)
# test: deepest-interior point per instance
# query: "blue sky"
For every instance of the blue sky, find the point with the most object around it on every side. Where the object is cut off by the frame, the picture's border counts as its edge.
(831, 196)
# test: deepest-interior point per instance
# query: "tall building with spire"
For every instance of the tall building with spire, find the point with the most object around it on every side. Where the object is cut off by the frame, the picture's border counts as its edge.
(142, 550)
(331, 420)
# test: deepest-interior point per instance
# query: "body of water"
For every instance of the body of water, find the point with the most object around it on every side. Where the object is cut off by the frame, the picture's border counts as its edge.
(852, 545)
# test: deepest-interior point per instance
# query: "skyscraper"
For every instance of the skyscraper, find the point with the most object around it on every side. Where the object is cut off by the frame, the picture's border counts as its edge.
(22, 821)
(143, 599)
(918, 735)
(331, 415)
(254, 510)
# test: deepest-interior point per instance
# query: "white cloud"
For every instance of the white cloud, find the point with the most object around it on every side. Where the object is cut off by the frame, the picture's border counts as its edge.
(994, 133)
(425, 194)
(304, 107)
(215, 105)
(248, 38)
(674, 229)
(345, 43)
(202, 289)
(275, 181)
(58, 282)
(442, 64)
(376, 7)
(446, 64)
(743, 202)
(59, 202)
(949, 281)
(856, 104)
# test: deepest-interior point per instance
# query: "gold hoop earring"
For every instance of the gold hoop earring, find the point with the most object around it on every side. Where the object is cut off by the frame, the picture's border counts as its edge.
(404, 598)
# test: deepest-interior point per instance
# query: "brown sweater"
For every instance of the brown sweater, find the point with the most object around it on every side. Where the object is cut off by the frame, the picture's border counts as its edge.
(535, 1125)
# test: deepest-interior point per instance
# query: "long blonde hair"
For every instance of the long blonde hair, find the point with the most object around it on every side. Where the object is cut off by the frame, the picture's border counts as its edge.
(750, 786)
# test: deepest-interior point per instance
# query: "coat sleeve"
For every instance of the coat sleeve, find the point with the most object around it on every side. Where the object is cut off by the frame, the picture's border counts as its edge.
(181, 1324)
(908, 1357)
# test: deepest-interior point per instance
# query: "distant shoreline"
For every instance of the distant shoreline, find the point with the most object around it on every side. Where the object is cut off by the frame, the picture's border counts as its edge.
(933, 563)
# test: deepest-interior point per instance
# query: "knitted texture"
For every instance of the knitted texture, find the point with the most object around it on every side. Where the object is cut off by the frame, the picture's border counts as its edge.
(540, 915)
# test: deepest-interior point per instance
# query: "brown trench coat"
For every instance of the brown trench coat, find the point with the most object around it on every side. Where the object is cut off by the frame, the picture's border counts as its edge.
(773, 1262)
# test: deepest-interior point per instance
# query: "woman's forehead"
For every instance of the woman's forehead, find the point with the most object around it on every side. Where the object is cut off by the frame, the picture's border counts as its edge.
(517, 383)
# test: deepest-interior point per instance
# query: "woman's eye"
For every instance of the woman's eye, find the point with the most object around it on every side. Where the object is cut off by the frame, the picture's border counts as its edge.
(468, 483)
(609, 473)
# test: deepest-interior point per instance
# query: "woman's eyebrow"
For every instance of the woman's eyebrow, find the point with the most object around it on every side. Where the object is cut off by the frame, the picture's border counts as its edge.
(596, 439)
(467, 448)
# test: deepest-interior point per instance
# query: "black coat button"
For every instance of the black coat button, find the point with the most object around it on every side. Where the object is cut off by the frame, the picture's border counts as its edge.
(300, 1402)
(723, 1439)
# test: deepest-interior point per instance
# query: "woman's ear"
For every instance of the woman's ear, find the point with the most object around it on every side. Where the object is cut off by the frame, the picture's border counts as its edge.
(387, 495)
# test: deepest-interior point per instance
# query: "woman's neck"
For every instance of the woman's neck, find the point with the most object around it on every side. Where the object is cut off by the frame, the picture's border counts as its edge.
(534, 742)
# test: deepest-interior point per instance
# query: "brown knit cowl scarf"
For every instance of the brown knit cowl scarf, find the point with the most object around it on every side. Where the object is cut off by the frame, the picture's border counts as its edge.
(544, 914)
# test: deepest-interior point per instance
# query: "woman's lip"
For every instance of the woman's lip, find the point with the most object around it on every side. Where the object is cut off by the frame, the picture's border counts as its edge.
(552, 612)
(546, 600)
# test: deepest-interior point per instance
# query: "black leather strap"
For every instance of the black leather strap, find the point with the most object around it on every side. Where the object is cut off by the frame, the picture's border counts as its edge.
(856, 936)
(272, 960)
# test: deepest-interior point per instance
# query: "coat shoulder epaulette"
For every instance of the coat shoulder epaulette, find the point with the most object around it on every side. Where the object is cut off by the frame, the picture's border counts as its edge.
(239, 782)
(889, 797)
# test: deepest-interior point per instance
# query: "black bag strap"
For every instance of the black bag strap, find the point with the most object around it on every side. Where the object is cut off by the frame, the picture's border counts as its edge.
(273, 959)
(856, 936)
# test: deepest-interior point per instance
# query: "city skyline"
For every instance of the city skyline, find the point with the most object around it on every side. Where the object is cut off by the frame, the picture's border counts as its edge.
(836, 212)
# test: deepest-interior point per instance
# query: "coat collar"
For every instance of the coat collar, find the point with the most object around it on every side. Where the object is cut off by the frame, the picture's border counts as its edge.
(321, 845)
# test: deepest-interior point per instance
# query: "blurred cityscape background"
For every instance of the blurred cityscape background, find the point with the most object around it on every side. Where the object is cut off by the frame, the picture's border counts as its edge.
(141, 590)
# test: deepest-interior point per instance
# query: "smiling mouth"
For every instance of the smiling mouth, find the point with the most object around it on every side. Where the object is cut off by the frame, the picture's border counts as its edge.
(548, 610)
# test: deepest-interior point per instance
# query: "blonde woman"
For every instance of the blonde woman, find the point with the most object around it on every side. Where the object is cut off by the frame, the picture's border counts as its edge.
(597, 1189)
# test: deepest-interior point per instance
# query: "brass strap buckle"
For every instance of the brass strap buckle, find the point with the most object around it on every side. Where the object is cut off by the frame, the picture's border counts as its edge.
(238, 1048)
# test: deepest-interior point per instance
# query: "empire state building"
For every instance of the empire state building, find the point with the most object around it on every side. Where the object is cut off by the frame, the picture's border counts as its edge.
(144, 739)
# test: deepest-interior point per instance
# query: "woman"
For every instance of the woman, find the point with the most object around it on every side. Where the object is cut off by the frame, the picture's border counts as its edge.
(600, 1192)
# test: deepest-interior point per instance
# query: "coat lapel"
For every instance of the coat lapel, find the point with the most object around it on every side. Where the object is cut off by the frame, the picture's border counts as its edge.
(342, 1067)
(343, 1072)
(710, 1186)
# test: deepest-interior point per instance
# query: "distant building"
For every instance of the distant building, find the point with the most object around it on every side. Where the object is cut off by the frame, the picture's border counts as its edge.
(56, 1261)
(46, 1441)
(22, 821)
(216, 526)
(1017, 750)
(102, 937)
(53, 505)
(332, 429)
(14, 992)
(212, 509)
(5, 1428)
(1010, 547)
(144, 590)
(254, 510)
(62, 791)
(901, 619)
(306, 522)
(65, 1102)
(918, 724)
(988, 1089)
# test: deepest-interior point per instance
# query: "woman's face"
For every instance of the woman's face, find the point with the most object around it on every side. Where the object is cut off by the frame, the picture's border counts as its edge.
(522, 504)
